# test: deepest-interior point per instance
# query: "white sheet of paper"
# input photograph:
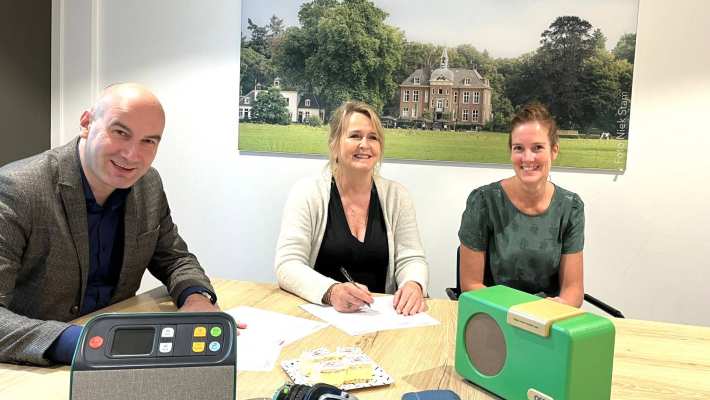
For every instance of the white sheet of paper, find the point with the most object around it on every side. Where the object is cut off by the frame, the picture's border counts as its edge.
(259, 346)
(381, 317)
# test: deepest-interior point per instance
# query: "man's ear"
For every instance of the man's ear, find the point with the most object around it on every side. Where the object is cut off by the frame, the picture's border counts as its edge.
(84, 122)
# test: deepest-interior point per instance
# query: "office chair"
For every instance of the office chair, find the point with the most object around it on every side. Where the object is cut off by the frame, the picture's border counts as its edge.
(454, 293)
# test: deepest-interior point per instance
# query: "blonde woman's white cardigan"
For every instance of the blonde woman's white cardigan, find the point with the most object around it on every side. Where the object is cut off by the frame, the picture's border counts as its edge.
(303, 226)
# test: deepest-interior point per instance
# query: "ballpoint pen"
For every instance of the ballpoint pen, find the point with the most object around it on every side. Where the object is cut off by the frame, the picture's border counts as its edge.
(350, 279)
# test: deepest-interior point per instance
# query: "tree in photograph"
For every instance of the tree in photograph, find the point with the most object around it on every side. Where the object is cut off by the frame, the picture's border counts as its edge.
(256, 65)
(270, 107)
(418, 55)
(603, 82)
(565, 45)
(468, 57)
(626, 47)
(254, 68)
(276, 26)
(525, 80)
(342, 50)
(570, 38)
(599, 40)
(275, 33)
(259, 40)
(502, 110)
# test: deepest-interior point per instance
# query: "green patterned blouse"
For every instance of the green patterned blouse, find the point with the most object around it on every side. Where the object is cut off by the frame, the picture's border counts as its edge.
(522, 251)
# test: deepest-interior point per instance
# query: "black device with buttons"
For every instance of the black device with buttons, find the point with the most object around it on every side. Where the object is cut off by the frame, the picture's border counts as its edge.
(159, 355)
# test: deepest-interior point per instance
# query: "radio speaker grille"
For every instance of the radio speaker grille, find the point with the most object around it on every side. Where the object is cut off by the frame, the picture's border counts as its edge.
(485, 344)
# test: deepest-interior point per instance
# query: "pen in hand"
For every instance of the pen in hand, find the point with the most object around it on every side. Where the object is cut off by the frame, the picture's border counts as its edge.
(350, 279)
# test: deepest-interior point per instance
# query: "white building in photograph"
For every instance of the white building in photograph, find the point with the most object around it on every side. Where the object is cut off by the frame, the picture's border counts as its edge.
(246, 102)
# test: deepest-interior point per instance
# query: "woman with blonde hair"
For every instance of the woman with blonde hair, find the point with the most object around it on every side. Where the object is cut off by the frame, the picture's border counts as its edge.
(351, 219)
(525, 232)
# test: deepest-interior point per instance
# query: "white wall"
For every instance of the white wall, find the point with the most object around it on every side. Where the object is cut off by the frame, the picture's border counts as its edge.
(646, 248)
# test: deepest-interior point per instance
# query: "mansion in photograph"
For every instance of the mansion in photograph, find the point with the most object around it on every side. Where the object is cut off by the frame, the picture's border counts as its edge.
(455, 96)
(300, 106)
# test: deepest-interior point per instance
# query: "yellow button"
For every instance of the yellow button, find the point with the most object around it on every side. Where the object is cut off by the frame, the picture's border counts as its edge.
(198, 347)
(200, 331)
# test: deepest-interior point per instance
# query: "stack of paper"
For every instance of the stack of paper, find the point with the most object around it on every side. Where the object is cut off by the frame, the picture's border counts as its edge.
(259, 346)
(382, 316)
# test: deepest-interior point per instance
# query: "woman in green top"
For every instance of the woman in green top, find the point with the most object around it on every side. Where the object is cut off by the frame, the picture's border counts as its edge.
(524, 231)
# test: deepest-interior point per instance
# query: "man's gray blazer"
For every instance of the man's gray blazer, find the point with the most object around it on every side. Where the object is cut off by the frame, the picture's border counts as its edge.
(44, 249)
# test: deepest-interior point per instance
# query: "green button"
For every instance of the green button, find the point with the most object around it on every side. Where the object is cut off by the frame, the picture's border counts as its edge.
(216, 331)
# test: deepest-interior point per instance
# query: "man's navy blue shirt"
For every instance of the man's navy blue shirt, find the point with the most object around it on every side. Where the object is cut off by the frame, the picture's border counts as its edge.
(105, 246)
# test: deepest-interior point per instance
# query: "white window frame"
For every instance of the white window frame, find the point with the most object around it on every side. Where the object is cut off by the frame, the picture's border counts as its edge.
(474, 115)
(246, 100)
(440, 104)
(416, 80)
(464, 114)
(415, 95)
(456, 96)
(405, 111)
(426, 96)
(466, 97)
(307, 103)
(405, 98)
(476, 97)
(466, 81)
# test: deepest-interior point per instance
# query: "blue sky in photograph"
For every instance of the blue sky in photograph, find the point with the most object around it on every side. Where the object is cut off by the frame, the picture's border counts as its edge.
(506, 28)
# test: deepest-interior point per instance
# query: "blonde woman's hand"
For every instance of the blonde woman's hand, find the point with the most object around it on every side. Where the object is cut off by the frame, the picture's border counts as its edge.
(349, 297)
(409, 299)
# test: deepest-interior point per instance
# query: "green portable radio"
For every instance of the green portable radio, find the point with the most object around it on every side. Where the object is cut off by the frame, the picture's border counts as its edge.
(519, 346)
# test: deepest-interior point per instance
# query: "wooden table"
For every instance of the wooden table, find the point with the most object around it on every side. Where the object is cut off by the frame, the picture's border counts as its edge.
(652, 360)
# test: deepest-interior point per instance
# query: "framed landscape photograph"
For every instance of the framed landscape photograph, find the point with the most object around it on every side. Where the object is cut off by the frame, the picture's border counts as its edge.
(445, 77)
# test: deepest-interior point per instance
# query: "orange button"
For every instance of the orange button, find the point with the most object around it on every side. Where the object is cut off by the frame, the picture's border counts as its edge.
(198, 347)
(200, 331)
(96, 342)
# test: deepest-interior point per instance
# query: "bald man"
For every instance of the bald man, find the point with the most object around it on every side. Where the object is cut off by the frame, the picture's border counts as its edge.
(79, 225)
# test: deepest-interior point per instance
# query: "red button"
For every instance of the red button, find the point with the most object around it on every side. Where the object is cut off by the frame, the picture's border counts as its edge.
(96, 342)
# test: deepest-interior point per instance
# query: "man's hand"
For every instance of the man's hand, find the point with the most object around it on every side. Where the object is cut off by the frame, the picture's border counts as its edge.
(409, 299)
(198, 303)
(349, 297)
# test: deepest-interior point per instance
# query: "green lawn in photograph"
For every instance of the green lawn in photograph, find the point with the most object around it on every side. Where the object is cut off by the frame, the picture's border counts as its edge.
(480, 147)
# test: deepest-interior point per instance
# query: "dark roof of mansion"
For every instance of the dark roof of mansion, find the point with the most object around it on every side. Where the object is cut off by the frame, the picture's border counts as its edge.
(314, 101)
(459, 76)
